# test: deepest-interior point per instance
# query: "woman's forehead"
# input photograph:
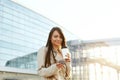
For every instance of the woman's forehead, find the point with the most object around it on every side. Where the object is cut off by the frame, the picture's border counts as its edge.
(56, 32)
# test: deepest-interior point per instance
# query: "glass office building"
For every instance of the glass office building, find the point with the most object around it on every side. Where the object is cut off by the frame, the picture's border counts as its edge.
(95, 59)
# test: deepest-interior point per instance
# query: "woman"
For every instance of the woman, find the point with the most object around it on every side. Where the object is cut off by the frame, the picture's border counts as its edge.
(49, 67)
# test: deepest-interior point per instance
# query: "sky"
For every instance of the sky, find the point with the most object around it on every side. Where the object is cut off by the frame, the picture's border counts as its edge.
(88, 19)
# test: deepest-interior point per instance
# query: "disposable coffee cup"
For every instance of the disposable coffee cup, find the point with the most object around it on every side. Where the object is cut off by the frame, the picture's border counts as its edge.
(65, 52)
(62, 61)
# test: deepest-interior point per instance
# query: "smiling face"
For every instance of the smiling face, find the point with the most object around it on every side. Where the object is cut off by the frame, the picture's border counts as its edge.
(56, 39)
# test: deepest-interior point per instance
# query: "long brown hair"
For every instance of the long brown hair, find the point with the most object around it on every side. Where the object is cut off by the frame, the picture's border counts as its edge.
(50, 47)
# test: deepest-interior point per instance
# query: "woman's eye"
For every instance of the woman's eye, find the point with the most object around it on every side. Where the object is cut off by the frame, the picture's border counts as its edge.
(56, 36)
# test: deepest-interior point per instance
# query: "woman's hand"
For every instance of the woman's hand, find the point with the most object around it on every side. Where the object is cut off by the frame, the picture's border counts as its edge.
(68, 59)
(59, 65)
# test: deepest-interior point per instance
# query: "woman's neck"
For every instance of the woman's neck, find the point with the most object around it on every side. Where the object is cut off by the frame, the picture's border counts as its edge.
(56, 48)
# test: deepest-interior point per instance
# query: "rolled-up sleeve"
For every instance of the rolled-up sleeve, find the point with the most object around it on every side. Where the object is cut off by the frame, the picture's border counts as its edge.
(69, 68)
(42, 71)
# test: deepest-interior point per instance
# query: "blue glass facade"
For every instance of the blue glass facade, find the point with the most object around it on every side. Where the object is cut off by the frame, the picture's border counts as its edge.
(22, 32)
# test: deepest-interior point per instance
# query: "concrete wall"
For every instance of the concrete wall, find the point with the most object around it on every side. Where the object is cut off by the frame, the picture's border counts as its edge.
(17, 76)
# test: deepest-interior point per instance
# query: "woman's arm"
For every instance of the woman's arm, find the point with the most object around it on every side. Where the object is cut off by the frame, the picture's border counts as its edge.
(42, 71)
